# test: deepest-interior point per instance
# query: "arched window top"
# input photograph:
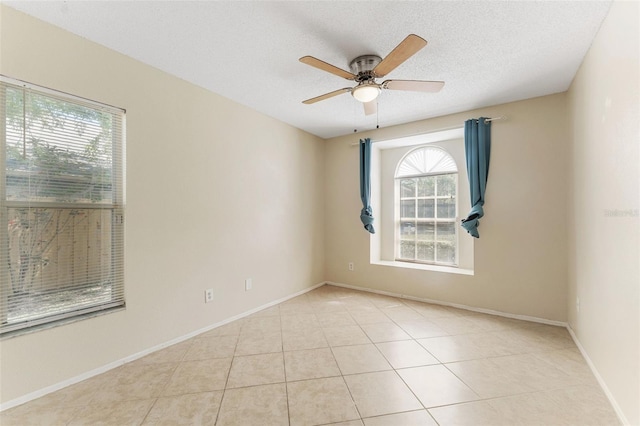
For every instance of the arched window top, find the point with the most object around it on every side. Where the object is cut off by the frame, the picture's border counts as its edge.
(426, 160)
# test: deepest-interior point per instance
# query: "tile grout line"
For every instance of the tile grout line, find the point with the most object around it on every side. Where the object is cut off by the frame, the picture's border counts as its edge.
(392, 368)
(284, 368)
(161, 392)
(344, 381)
(226, 382)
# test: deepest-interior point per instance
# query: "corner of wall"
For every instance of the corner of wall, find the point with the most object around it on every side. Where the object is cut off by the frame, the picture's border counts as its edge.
(604, 224)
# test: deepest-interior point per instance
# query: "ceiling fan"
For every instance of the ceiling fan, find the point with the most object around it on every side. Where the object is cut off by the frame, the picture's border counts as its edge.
(365, 69)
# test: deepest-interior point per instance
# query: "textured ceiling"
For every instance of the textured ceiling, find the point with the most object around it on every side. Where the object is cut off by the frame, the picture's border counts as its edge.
(487, 52)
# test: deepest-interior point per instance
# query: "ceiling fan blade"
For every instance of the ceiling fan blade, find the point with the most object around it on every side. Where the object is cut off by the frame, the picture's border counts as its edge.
(327, 96)
(370, 107)
(322, 65)
(413, 85)
(407, 48)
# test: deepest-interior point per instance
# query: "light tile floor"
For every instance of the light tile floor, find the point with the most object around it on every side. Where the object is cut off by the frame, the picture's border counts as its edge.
(344, 357)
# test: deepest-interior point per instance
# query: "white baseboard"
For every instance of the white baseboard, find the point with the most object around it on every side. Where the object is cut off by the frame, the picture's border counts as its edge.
(454, 305)
(599, 378)
(103, 369)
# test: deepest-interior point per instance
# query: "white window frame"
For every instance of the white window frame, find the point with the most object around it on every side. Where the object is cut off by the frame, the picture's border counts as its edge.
(398, 219)
(115, 207)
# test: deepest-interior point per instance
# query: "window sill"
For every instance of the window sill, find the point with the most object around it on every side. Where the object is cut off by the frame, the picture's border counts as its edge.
(53, 324)
(423, 267)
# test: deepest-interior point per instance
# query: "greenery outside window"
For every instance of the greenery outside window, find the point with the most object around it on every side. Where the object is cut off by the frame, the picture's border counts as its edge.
(62, 206)
(427, 207)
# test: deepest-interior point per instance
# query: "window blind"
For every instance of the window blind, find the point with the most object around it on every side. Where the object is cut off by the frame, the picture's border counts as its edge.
(62, 212)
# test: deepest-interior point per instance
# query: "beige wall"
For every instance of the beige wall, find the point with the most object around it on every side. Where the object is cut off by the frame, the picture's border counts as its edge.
(216, 193)
(520, 258)
(604, 223)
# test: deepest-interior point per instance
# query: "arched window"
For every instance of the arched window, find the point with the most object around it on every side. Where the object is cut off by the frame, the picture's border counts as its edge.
(427, 206)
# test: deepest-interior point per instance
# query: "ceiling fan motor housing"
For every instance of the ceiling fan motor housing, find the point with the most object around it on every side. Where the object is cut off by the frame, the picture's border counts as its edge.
(363, 67)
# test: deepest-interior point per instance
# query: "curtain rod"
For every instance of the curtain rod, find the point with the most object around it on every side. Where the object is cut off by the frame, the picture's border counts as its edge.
(502, 117)
(443, 129)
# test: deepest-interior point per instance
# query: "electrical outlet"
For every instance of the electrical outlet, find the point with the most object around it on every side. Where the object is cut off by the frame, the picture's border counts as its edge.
(351, 266)
(208, 295)
(248, 284)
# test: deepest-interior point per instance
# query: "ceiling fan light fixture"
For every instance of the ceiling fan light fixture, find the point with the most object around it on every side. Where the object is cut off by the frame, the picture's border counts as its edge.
(366, 92)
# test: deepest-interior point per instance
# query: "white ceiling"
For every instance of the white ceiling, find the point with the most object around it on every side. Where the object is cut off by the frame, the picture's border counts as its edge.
(487, 52)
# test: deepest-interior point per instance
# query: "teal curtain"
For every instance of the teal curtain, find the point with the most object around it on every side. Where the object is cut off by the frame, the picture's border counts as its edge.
(477, 145)
(366, 214)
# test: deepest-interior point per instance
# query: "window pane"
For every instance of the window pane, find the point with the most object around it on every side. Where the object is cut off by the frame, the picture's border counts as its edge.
(407, 250)
(426, 186)
(57, 151)
(426, 231)
(427, 206)
(63, 246)
(408, 208)
(407, 188)
(407, 230)
(426, 160)
(59, 261)
(425, 252)
(447, 208)
(425, 209)
(446, 252)
(446, 185)
(447, 232)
